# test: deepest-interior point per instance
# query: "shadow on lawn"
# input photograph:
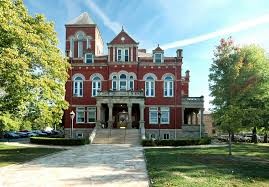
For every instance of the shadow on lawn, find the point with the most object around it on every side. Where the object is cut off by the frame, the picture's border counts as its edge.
(249, 162)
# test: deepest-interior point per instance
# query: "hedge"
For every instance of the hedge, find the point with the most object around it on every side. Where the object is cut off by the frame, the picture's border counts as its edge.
(58, 141)
(202, 141)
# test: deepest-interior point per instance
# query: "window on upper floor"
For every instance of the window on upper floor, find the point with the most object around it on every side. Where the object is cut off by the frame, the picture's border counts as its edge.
(80, 45)
(158, 58)
(168, 86)
(88, 58)
(150, 86)
(88, 44)
(71, 52)
(114, 82)
(131, 83)
(78, 87)
(123, 82)
(96, 85)
(122, 55)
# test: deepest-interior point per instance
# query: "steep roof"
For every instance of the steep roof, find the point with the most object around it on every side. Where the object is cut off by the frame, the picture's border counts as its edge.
(158, 49)
(82, 19)
(123, 38)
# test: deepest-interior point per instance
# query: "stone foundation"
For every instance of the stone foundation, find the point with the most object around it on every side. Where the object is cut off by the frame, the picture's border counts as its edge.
(187, 132)
(77, 132)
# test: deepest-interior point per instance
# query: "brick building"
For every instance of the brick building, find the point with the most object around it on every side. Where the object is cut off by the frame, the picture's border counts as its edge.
(127, 87)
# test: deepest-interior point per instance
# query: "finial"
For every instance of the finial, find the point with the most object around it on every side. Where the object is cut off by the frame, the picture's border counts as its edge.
(158, 45)
(122, 28)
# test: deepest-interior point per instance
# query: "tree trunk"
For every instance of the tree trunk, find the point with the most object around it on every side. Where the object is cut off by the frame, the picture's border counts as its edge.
(232, 137)
(254, 135)
(265, 139)
(230, 144)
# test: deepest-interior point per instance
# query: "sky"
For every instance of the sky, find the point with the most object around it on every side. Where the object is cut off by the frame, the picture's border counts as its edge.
(196, 26)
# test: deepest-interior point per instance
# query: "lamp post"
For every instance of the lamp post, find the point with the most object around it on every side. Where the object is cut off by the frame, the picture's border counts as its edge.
(72, 114)
(159, 123)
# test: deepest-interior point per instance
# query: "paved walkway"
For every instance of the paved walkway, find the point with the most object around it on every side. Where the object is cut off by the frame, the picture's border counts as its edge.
(90, 165)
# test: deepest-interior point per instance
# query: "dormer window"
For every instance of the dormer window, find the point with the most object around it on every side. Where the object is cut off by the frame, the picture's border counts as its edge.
(158, 58)
(123, 55)
(88, 58)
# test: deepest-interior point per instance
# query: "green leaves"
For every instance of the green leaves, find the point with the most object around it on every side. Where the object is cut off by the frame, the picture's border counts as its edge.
(239, 83)
(33, 72)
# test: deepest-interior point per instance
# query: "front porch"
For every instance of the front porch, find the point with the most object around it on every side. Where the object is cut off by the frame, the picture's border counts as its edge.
(121, 109)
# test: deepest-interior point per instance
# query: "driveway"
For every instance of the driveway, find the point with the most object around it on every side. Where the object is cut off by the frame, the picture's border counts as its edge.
(90, 165)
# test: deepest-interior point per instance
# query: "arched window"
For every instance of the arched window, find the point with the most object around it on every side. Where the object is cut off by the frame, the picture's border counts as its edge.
(80, 45)
(168, 87)
(114, 82)
(123, 82)
(96, 85)
(78, 87)
(131, 82)
(150, 86)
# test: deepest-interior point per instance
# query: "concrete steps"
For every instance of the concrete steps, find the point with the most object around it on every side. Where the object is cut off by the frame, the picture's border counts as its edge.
(117, 136)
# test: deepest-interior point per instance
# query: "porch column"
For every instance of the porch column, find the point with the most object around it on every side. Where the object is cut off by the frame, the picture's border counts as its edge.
(201, 120)
(129, 115)
(191, 118)
(142, 122)
(196, 118)
(110, 116)
(98, 111)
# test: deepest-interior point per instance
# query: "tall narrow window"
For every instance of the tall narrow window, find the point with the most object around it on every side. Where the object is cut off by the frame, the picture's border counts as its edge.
(131, 82)
(114, 83)
(80, 45)
(71, 52)
(80, 114)
(88, 43)
(150, 87)
(96, 85)
(165, 117)
(168, 87)
(78, 87)
(91, 114)
(126, 55)
(123, 82)
(153, 115)
(119, 55)
(88, 58)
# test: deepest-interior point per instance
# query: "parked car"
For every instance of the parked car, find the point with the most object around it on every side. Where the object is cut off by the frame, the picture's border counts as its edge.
(11, 135)
(22, 134)
(31, 134)
(39, 133)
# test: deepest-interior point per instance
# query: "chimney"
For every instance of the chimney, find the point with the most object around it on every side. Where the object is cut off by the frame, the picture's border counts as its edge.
(187, 74)
(179, 53)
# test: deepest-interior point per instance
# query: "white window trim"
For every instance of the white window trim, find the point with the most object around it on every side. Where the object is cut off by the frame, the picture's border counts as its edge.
(80, 41)
(88, 111)
(122, 54)
(79, 109)
(96, 82)
(153, 83)
(78, 81)
(116, 81)
(85, 58)
(72, 44)
(162, 58)
(168, 88)
(153, 109)
(165, 109)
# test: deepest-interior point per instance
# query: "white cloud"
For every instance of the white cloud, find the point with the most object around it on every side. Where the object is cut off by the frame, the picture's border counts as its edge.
(229, 30)
(114, 26)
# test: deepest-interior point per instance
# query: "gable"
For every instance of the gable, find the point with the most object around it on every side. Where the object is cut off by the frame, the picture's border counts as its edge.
(123, 38)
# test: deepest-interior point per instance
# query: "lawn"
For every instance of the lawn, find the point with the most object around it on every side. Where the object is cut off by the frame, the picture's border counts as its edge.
(249, 166)
(15, 155)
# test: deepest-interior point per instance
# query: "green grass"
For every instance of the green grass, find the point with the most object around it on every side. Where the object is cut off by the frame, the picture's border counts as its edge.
(249, 166)
(15, 155)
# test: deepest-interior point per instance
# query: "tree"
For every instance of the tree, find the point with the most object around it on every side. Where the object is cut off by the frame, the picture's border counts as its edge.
(239, 83)
(33, 72)
(223, 74)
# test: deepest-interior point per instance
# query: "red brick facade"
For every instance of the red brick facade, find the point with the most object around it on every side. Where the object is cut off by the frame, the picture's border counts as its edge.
(134, 63)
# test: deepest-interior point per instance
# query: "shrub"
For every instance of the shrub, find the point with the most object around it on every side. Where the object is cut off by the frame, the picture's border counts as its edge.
(58, 141)
(202, 141)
